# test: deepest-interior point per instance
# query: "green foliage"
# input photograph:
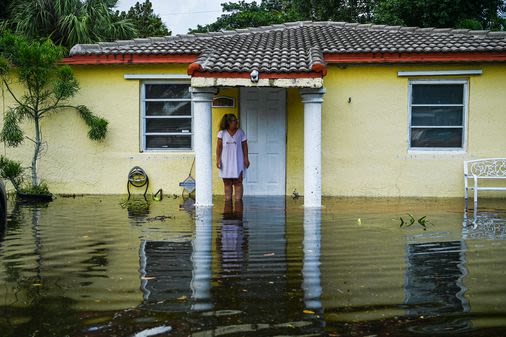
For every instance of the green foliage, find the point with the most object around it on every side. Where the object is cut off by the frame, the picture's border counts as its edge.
(66, 85)
(48, 88)
(473, 14)
(11, 133)
(12, 171)
(440, 13)
(68, 22)
(243, 14)
(40, 189)
(98, 126)
(423, 221)
(145, 21)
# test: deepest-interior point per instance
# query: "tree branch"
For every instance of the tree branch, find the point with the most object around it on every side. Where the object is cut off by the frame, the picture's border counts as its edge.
(16, 99)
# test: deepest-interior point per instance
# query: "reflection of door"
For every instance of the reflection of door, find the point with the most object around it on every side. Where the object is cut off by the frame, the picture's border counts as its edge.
(263, 118)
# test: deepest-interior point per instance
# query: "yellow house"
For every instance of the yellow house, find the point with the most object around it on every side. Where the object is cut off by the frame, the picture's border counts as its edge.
(329, 109)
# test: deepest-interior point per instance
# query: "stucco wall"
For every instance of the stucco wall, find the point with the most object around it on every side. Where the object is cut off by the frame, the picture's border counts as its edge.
(365, 142)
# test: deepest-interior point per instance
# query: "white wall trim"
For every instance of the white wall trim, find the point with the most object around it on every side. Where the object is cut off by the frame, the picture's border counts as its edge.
(156, 77)
(440, 72)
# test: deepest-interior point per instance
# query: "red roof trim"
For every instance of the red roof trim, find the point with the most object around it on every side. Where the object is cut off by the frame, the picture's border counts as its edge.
(129, 59)
(415, 57)
(262, 75)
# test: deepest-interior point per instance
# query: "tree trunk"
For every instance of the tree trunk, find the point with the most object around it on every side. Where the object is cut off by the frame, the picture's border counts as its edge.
(35, 178)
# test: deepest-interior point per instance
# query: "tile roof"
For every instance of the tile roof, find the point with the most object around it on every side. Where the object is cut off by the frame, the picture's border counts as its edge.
(299, 46)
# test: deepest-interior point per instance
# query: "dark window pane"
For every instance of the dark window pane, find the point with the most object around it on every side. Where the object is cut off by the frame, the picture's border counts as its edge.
(173, 91)
(436, 137)
(169, 125)
(168, 109)
(437, 116)
(438, 93)
(168, 142)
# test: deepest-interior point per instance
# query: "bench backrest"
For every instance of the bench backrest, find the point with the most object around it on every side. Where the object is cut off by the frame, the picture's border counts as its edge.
(486, 168)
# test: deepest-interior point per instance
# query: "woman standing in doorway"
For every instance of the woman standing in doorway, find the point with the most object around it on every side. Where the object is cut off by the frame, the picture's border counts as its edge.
(232, 156)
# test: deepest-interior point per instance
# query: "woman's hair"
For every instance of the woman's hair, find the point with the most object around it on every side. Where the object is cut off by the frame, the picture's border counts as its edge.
(225, 121)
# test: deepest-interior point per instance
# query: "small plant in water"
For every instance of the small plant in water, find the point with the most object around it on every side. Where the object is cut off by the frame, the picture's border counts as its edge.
(423, 221)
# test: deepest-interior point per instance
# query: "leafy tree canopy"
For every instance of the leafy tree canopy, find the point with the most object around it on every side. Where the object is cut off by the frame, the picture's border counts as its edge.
(485, 14)
(144, 19)
(30, 73)
(68, 22)
(243, 14)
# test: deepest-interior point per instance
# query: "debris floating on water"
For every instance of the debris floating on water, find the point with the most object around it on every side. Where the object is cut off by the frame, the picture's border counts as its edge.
(153, 331)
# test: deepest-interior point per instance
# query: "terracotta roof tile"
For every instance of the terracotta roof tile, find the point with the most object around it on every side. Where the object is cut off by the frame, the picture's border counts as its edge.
(299, 46)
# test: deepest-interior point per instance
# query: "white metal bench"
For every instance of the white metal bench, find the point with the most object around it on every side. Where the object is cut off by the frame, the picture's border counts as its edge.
(487, 168)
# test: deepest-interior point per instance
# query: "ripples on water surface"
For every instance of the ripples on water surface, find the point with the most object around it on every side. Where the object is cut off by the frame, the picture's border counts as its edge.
(87, 267)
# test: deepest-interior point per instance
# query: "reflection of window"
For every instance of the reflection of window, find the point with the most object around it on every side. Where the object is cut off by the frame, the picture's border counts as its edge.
(166, 116)
(223, 102)
(437, 114)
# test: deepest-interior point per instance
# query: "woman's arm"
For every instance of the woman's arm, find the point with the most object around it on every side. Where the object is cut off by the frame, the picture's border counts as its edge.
(245, 153)
(219, 148)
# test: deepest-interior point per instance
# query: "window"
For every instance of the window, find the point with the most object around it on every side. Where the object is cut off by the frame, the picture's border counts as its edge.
(166, 116)
(437, 114)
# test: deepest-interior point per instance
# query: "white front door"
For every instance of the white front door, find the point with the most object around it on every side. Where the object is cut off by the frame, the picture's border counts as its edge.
(263, 118)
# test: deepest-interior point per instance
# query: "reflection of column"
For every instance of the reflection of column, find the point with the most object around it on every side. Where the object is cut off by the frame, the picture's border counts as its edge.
(201, 259)
(202, 106)
(311, 264)
(312, 99)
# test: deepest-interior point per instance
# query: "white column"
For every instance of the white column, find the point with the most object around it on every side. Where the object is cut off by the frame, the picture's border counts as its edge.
(312, 99)
(202, 128)
(201, 259)
(311, 265)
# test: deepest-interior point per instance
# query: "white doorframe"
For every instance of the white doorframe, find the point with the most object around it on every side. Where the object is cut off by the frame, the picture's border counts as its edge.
(263, 118)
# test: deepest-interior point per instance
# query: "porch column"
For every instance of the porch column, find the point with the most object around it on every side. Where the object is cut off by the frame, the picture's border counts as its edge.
(202, 127)
(312, 99)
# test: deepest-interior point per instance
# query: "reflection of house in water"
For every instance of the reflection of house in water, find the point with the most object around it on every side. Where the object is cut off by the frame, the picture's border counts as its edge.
(166, 274)
(434, 285)
(251, 251)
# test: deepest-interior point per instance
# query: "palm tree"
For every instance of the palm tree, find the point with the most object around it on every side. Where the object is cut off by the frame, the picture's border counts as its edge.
(69, 22)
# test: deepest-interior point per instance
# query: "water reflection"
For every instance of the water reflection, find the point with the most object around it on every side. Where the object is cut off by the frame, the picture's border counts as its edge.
(434, 286)
(261, 267)
(311, 263)
(202, 259)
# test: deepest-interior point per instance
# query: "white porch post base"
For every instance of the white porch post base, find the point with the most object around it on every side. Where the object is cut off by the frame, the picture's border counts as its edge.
(312, 99)
(202, 126)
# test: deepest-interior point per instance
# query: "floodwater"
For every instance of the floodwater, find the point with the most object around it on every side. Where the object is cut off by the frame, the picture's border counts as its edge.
(86, 266)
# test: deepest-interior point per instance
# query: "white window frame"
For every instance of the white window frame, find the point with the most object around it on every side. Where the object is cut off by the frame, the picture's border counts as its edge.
(143, 116)
(465, 83)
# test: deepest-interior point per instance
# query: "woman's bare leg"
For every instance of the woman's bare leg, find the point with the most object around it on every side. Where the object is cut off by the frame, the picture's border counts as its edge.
(238, 190)
(228, 191)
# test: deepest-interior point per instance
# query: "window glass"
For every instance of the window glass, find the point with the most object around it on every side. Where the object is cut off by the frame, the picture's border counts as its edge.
(170, 91)
(166, 116)
(437, 115)
(180, 125)
(425, 137)
(183, 108)
(438, 94)
(168, 142)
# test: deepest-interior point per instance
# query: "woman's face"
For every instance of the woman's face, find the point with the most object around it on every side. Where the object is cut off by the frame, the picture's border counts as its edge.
(233, 123)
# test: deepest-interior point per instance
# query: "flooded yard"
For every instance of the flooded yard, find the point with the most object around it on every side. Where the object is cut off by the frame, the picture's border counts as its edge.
(86, 266)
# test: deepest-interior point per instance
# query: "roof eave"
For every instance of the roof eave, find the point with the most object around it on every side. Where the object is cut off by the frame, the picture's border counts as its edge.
(408, 57)
(129, 59)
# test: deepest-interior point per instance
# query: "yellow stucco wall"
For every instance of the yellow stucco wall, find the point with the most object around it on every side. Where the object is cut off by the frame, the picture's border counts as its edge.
(365, 142)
